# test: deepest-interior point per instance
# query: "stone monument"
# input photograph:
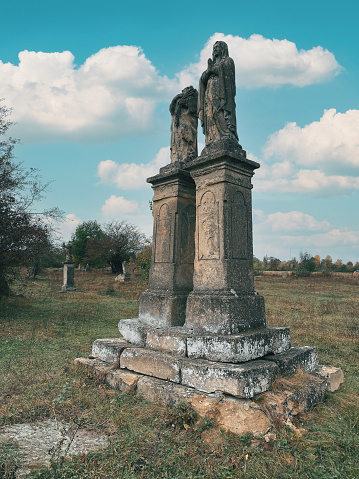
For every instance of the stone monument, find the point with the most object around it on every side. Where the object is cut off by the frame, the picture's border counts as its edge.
(124, 276)
(202, 328)
(68, 270)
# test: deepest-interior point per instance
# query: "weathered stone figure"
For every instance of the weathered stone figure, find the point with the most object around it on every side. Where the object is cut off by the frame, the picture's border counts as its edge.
(183, 109)
(217, 89)
(68, 248)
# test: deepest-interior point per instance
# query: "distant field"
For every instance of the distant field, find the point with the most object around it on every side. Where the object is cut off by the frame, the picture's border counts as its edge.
(42, 332)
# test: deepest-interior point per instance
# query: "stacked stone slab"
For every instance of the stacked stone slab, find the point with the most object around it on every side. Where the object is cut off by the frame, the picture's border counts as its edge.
(201, 323)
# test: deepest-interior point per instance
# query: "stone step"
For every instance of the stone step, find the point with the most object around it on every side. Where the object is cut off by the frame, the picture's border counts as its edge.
(303, 357)
(233, 348)
(152, 363)
(241, 380)
(109, 350)
(134, 331)
(238, 348)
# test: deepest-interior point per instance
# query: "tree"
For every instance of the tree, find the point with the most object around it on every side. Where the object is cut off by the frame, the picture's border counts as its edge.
(121, 240)
(327, 263)
(143, 261)
(23, 233)
(307, 264)
(273, 263)
(86, 231)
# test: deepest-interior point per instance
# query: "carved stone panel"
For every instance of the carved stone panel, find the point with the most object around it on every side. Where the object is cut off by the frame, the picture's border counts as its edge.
(239, 227)
(208, 227)
(163, 235)
(188, 234)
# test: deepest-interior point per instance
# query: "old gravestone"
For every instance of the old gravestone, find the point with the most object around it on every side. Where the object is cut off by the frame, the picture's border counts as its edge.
(68, 271)
(202, 326)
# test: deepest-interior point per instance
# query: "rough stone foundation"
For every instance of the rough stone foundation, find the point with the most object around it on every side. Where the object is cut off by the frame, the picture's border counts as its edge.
(288, 396)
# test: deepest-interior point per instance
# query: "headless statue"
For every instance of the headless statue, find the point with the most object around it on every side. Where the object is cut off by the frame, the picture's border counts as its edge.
(183, 109)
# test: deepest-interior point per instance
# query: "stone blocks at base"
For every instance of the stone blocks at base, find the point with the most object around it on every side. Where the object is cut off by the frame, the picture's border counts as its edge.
(233, 348)
(238, 348)
(170, 340)
(134, 331)
(333, 376)
(109, 350)
(152, 363)
(162, 309)
(125, 381)
(224, 312)
(164, 392)
(289, 397)
(241, 380)
(304, 357)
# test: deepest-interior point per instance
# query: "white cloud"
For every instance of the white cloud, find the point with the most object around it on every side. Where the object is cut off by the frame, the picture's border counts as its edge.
(285, 177)
(130, 176)
(113, 94)
(68, 226)
(291, 221)
(264, 62)
(286, 234)
(118, 205)
(331, 144)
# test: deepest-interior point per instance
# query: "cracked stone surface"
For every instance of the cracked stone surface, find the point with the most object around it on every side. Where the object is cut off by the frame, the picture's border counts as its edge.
(41, 441)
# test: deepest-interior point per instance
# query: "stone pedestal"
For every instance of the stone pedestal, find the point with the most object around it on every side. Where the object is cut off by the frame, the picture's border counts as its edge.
(69, 278)
(223, 299)
(201, 323)
(171, 273)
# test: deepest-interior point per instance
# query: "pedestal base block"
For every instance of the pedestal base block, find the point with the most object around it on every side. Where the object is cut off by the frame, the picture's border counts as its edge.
(303, 357)
(225, 312)
(163, 309)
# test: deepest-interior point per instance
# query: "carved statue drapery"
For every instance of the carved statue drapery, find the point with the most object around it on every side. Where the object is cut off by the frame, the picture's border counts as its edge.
(217, 90)
(183, 109)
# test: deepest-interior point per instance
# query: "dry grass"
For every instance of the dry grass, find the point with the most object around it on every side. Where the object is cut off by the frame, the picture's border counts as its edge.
(43, 332)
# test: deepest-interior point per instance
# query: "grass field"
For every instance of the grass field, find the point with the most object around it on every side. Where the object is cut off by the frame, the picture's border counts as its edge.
(43, 331)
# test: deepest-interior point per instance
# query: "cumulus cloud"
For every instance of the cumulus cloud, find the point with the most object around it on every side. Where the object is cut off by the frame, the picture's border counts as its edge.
(286, 234)
(268, 62)
(332, 143)
(113, 94)
(291, 221)
(68, 226)
(132, 176)
(118, 205)
(286, 177)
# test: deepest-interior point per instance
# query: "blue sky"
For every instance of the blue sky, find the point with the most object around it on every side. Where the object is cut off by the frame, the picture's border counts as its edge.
(90, 84)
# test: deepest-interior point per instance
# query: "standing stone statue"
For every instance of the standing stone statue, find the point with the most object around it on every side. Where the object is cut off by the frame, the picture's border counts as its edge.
(183, 109)
(68, 248)
(217, 89)
(69, 270)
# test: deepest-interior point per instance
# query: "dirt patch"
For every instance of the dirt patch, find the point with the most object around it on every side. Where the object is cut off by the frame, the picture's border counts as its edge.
(39, 442)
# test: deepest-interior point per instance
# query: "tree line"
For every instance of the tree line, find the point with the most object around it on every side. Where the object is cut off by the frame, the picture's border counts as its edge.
(305, 265)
